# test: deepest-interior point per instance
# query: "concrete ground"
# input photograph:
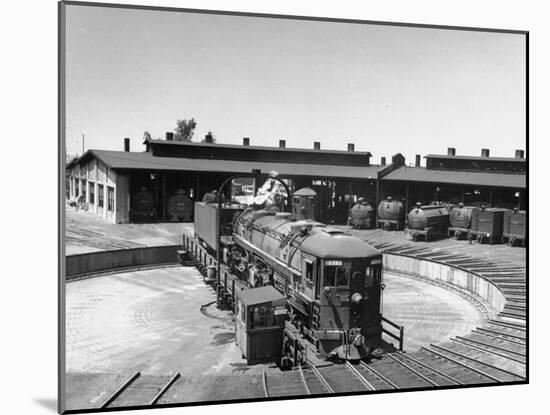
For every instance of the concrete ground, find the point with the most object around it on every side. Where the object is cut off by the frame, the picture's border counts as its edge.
(500, 253)
(429, 314)
(151, 321)
(87, 232)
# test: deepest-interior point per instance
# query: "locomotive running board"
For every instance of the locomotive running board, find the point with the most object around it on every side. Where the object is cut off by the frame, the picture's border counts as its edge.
(277, 264)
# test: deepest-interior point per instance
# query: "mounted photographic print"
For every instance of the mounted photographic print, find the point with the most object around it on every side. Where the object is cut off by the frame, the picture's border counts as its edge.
(264, 206)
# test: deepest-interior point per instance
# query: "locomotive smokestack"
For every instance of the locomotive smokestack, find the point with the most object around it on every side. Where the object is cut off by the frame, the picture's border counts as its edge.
(484, 152)
(127, 145)
(520, 154)
(317, 145)
(282, 144)
(351, 147)
(451, 151)
(246, 141)
(417, 161)
(383, 161)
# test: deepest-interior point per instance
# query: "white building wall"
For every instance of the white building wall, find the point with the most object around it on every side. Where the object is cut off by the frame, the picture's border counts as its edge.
(96, 175)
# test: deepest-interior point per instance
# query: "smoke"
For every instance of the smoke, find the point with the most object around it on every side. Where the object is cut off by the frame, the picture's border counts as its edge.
(271, 194)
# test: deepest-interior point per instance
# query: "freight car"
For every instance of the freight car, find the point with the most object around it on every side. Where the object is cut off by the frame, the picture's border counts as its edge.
(143, 206)
(460, 219)
(515, 227)
(487, 224)
(332, 281)
(428, 221)
(180, 207)
(391, 214)
(362, 215)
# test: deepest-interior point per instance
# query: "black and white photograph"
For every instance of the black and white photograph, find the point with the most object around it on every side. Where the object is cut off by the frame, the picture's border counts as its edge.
(267, 207)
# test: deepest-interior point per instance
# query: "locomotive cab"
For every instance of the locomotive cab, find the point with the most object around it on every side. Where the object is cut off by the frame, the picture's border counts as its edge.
(345, 286)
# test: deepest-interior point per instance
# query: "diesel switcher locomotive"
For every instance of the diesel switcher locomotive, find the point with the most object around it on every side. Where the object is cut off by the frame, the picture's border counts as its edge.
(332, 281)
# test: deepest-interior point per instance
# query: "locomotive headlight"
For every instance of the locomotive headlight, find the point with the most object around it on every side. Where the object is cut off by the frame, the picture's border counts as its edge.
(356, 298)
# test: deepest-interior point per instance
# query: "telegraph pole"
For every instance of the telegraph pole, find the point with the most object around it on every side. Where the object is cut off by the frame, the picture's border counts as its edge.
(83, 137)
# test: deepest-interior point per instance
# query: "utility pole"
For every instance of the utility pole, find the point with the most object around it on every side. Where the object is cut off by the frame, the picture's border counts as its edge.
(83, 137)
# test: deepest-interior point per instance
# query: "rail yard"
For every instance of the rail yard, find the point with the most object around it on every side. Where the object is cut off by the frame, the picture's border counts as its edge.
(134, 331)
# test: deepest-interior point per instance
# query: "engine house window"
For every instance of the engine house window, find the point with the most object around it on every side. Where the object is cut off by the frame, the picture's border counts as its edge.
(83, 185)
(92, 192)
(110, 198)
(101, 195)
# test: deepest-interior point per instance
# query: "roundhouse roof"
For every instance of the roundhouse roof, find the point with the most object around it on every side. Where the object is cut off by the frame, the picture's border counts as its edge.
(421, 174)
(121, 160)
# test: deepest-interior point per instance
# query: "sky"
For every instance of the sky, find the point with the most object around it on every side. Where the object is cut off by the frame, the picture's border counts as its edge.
(388, 89)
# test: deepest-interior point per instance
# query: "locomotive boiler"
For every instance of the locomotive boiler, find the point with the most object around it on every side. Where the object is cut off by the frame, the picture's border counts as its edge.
(460, 218)
(362, 215)
(428, 220)
(180, 207)
(332, 280)
(143, 206)
(391, 213)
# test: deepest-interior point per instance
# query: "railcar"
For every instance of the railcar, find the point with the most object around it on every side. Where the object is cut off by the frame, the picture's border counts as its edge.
(515, 227)
(332, 281)
(487, 224)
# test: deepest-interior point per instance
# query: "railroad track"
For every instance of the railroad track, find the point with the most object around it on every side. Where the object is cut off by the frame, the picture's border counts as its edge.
(140, 390)
(291, 383)
(491, 354)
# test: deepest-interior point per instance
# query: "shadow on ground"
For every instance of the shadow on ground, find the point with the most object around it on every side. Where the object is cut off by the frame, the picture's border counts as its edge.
(47, 403)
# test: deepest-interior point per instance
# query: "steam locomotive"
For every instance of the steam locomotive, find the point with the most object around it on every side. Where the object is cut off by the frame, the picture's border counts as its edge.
(332, 281)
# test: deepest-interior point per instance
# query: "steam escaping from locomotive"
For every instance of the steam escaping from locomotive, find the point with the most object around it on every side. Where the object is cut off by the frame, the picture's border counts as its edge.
(271, 195)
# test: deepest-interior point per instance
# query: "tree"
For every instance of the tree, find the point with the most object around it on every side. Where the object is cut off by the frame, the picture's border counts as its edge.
(185, 130)
(146, 135)
(210, 136)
